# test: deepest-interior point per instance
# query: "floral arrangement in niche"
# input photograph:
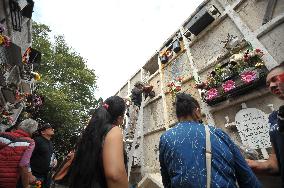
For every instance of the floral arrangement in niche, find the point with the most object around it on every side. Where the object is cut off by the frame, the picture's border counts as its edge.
(4, 40)
(242, 68)
(5, 118)
(175, 86)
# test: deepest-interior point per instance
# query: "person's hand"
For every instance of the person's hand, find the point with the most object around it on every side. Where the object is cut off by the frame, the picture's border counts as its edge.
(252, 163)
(147, 88)
(256, 166)
(32, 178)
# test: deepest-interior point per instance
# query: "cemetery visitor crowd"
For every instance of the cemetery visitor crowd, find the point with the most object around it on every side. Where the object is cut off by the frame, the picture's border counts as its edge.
(191, 154)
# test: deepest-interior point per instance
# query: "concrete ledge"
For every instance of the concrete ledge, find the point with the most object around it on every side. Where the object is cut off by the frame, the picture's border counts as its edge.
(153, 180)
(269, 26)
(233, 101)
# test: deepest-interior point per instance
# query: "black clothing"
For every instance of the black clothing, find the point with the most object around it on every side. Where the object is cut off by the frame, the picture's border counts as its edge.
(97, 179)
(277, 140)
(41, 157)
(136, 96)
(281, 119)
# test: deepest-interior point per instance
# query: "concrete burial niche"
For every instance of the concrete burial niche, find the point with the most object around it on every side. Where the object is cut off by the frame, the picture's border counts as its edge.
(151, 181)
(199, 54)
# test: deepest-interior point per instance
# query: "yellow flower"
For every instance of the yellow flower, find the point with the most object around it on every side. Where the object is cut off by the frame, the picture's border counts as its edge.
(259, 64)
(36, 76)
(2, 39)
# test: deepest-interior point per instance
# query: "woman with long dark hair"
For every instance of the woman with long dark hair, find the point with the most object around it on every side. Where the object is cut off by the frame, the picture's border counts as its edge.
(99, 159)
(196, 155)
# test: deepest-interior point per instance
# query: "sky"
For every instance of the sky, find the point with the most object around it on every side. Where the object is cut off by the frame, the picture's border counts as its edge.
(116, 37)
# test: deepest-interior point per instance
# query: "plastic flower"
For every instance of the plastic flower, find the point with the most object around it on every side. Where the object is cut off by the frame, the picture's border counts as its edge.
(258, 65)
(175, 85)
(5, 41)
(2, 39)
(248, 76)
(228, 85)
(257, 52)
(246, 57)
(2, 28)
(211, 94)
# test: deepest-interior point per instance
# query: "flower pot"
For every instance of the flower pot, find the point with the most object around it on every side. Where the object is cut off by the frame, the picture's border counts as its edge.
(216, 100)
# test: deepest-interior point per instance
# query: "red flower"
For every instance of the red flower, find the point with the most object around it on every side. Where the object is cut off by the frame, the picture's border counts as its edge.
(5, 113)
(178, 88)
(257, 50)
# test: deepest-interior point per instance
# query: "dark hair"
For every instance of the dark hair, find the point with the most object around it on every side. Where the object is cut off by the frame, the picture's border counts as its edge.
(185, 105)
(87, 168)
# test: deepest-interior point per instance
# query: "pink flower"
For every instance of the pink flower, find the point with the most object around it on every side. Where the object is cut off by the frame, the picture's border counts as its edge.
(248, 76)
(211, 94)
(7, 41)
(228, 85)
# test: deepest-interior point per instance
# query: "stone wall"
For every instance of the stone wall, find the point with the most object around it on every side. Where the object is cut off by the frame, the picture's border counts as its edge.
(240, 18)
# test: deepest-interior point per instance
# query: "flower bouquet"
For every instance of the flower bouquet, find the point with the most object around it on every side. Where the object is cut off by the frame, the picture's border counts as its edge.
(175, 86)
(241, 73)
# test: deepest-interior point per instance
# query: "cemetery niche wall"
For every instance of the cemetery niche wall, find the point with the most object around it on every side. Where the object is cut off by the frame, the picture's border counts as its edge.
(17, 62)
(220, 55)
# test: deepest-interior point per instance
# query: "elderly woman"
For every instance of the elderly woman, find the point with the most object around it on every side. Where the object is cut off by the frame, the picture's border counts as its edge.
(19, 146)
(183, 154)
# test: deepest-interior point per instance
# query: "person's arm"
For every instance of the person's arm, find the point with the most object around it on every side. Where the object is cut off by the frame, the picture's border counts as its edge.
(26, 175)
(164, 172)
(113, 160)
(244, 175)
(270, 166)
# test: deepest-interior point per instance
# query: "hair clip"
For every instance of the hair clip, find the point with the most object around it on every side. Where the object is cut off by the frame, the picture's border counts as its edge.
(105, 106)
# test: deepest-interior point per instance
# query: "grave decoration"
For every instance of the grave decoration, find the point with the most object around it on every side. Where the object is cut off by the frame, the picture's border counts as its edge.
(242, 72)
(4, 40)
(6, 118)
(174, 87)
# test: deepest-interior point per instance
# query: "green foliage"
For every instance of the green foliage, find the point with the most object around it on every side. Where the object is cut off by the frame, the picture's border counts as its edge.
(68, 86)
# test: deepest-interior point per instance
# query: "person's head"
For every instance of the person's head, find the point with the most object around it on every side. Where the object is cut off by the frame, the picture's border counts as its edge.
(187, 108)
(139, 84)
(29, 126)
(272, 81)
(46, 130)
(87, 162)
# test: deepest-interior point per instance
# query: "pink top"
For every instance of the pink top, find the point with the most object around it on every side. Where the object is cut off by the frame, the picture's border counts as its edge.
(25, 160)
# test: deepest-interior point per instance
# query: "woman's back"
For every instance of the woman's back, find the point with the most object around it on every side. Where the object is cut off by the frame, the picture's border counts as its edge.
(182, 158)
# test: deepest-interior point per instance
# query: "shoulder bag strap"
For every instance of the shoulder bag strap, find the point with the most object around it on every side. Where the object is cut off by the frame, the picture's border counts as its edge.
(208, 156)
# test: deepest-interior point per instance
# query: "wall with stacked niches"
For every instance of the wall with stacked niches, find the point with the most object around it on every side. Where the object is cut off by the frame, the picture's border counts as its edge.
(17, 60)
(220, 55)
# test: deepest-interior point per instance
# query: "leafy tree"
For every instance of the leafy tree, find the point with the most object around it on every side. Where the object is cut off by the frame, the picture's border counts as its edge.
(67, 85)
